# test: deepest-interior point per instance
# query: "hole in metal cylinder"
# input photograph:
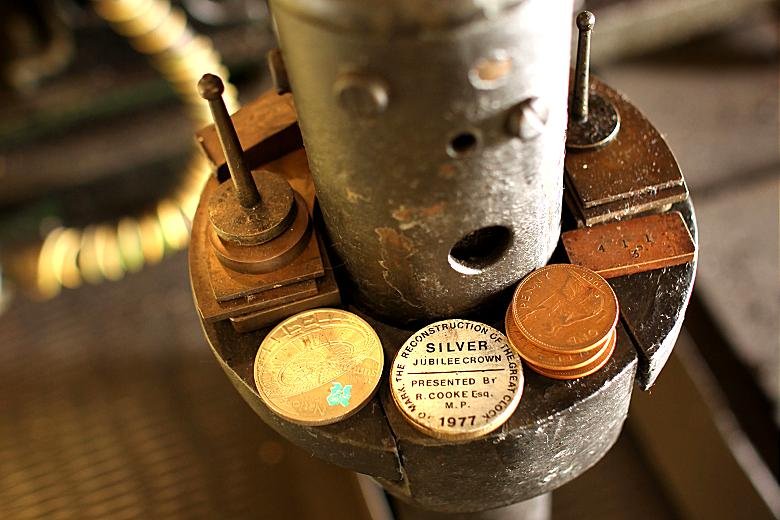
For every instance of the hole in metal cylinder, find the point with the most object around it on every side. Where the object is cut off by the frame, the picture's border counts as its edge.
(479, 249)
(462, 144)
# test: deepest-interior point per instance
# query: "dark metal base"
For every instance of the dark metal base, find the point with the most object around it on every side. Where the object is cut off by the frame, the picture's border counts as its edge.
(560, 429)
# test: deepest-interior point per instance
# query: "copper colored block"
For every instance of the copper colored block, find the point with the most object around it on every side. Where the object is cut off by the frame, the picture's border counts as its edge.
(271, 255)
(295, 168)
(326, 294)
(227, 284)
(641, 203)
(637, 161)
(221, 293)
(267, 129)
(201, 256)
(265, 300)
(256, 224)
(631, 246)
(212, 310)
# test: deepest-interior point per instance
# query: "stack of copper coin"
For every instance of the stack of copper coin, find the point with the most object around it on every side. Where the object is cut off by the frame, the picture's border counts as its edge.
(562, 321)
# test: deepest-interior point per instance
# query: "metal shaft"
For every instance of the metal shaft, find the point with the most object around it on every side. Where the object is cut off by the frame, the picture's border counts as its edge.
(451, 212)
(210, 88)
(579, 109)
(537, 508)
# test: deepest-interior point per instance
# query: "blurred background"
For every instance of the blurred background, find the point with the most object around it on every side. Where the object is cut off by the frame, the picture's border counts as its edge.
(111, 404)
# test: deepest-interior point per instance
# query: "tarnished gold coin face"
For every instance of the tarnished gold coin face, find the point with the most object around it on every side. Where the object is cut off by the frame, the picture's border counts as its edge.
(456, 379)
(544, 358)
(565, 307)
(319, 367)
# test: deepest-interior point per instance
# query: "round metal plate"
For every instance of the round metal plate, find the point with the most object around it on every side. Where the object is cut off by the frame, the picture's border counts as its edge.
(251, 226)
(601, 126)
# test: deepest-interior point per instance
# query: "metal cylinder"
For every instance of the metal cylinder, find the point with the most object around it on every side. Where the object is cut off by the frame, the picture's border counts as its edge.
(435, 134)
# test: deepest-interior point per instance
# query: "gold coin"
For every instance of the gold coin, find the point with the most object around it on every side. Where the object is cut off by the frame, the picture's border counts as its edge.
(546, 358)
(456, 379)
(587, 370)
(319, 367)
(565, 307)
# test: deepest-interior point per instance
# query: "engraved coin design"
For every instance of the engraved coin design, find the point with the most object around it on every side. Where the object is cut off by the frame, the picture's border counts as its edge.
(319, 367)
(456, 379)
(565, 307)
(550, 359)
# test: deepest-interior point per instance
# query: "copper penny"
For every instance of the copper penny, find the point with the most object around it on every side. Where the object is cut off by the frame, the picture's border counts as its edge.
(546, 358)
(587, 370)
(565, 307)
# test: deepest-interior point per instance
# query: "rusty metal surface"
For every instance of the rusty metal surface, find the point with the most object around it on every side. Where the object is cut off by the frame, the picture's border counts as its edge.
(254, 207)
(221, 293)
(264, 221)
(580, 97)
(596, 404)
(151, 428)
(591, 400)
(267, 129)
(660, 200)
(593, 120)
(210, 88)
(324, 293)
(271, 255)
(226, 284)
(600, 127)
(637, 161)
(295, 168)
(631, 246)
(417, 193)
(212, 310)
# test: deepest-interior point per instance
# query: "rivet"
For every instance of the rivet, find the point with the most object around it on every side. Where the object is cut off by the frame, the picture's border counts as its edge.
(528, 119)
(361, 94)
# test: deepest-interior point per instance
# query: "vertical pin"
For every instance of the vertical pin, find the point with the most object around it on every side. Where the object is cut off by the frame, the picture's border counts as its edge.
(579, 109)
(210, 88)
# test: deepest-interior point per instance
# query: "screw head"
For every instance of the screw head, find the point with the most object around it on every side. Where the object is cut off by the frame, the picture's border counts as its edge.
(361, 94)
(528, 118)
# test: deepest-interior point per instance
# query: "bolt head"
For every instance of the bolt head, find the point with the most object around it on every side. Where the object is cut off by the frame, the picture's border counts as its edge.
(361, 94)
(528, 119)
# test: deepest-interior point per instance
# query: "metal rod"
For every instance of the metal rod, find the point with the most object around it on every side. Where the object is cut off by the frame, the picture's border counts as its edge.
(210, 88)
(579, 109)
(537, 508)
